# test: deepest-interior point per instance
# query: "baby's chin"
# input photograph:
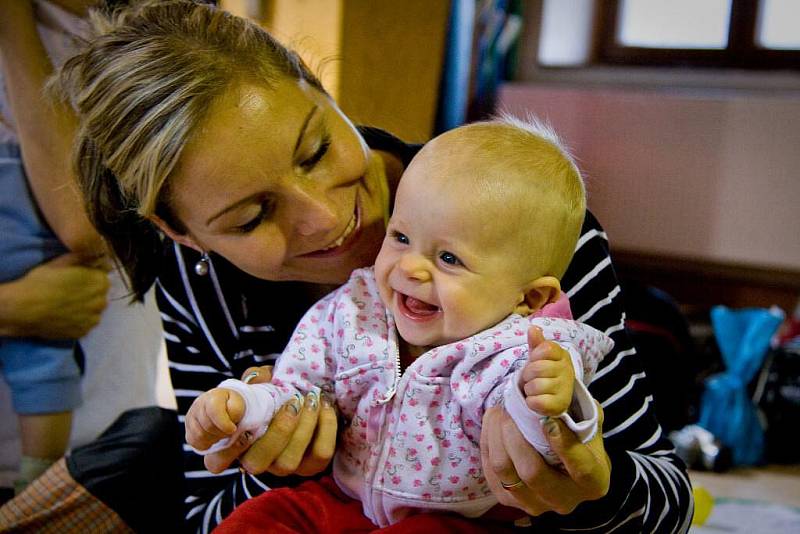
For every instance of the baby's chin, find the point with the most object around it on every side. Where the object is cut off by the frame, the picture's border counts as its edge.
(423, 341)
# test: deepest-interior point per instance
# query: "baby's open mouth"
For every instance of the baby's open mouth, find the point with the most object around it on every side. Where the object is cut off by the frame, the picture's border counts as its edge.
(415, 308)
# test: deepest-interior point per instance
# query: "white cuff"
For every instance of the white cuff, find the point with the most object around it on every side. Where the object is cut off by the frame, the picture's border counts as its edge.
(260, 407)
(581, 417)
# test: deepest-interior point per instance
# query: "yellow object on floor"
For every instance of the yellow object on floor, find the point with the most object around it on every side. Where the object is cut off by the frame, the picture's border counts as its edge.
(703, 503)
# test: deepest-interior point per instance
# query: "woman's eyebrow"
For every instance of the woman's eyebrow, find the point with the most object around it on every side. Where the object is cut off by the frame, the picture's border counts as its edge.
(248, 199)
(304, 127)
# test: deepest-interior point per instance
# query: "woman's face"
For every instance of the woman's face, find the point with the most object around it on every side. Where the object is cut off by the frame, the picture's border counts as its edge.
(279, 182)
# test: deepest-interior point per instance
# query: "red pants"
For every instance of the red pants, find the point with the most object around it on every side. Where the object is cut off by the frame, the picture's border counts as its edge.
(320, 506)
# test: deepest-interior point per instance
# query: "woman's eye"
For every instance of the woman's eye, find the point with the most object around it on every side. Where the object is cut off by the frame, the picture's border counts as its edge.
(400, 237)
(263, 214)
(450, 258)
(318, 154)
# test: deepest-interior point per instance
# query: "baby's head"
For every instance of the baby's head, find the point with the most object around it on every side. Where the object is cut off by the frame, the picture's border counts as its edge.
(485, 222)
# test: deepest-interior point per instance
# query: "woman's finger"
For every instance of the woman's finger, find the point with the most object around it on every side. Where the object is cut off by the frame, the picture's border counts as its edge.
(257, 375)
(497, 465)
(319, 455)
(263, 452)
(290, 457)
(221, 460)
(587, 464)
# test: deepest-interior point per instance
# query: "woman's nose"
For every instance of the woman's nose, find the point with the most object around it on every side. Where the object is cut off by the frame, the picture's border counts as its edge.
(414, 267)
(314, 213)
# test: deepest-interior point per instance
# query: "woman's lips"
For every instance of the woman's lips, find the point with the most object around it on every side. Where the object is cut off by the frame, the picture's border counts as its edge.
(415, 309)
(345, 241)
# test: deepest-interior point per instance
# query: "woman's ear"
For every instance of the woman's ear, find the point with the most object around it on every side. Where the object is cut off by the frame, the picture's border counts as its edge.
(540, 292)
(184, 239)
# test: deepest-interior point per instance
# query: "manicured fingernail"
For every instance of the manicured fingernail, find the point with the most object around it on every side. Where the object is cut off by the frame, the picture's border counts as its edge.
(312, 400)
(327, 401)
(296, 403)
(251, 375)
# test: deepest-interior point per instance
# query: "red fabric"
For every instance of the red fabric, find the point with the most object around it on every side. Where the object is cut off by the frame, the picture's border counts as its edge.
(320, 506)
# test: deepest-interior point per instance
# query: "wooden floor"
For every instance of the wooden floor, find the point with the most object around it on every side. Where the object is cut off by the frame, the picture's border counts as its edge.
(774, 483)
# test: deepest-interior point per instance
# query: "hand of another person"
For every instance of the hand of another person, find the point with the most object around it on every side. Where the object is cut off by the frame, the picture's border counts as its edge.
(300, 440)
(61, 299)
(548, 378)
(535, 486)
(212, 417)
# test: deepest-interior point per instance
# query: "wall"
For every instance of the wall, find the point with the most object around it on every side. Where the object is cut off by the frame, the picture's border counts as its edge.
(709, 176)
(380, 59)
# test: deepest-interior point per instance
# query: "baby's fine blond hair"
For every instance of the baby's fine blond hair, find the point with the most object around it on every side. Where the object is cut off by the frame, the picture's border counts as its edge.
(523, 169)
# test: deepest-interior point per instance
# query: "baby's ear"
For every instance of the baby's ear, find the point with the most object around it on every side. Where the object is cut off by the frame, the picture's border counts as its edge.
(540, 292)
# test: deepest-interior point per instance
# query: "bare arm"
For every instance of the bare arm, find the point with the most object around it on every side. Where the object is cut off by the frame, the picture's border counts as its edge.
(60, 299)
(46, 130)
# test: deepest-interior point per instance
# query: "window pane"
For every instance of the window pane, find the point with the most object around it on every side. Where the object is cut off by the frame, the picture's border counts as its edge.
(779, 24)
(674, 23)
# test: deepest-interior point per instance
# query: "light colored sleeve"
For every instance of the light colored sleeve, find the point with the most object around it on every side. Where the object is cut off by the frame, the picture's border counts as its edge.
(305, 365)
(261, 401)
(581, 417)
(586, 347)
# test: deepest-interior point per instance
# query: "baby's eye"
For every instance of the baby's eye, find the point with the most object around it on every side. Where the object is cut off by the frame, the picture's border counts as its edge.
(400, 237)
(450, 258)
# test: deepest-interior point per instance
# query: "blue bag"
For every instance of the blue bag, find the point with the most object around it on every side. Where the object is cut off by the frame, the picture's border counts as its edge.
(726, 409)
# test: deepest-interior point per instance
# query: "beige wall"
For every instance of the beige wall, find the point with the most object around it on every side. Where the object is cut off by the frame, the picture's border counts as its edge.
(707, 176)
(380, 59)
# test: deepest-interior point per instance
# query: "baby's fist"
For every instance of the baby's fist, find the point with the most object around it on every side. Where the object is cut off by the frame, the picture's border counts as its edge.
(213, 416)
(548, 377)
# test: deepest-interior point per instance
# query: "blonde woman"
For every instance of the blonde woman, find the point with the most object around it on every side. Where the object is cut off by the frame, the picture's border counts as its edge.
(217, 167)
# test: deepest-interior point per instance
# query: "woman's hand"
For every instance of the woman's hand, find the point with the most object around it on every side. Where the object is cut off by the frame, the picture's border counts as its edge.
(61, 299)
(300, 440)
(508, 458)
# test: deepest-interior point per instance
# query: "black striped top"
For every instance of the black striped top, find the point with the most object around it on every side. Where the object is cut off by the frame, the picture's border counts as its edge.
(218, 325)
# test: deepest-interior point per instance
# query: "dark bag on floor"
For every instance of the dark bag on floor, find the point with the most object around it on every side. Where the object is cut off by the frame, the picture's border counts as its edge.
(778, 397)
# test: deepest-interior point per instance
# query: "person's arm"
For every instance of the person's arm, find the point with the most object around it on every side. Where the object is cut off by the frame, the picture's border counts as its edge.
(202, 354)
(648, 489)
(60, 299)
(45, 129)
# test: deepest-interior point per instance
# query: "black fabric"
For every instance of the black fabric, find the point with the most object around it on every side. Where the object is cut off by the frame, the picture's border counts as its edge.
(778, 398)
(660, 333)
(378, 139)
(134, 468)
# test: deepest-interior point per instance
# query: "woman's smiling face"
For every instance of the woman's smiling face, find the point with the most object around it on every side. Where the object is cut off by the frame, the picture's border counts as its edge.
(280, 183)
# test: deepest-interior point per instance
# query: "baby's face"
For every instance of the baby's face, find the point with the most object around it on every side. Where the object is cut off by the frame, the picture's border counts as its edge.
(447, 269)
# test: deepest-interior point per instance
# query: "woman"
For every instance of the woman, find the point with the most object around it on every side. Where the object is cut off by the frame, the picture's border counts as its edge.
(198, 125)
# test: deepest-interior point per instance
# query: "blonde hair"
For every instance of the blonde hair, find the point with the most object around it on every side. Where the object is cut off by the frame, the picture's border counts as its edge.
(140, 86)
(532, 174)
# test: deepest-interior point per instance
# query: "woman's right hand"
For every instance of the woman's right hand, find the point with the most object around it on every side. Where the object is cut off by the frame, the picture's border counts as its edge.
(61, 299)
(300, 439)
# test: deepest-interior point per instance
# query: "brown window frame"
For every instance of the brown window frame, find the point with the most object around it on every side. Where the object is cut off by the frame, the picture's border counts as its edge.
(742, 51)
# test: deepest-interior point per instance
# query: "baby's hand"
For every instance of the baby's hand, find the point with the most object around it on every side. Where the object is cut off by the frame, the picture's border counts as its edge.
(212, 417)
(548, 377)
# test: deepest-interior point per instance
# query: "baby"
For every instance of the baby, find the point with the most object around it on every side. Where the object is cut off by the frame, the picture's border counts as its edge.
(486, 220)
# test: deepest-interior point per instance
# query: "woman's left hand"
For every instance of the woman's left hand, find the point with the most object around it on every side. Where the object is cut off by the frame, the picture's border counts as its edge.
(300, 439)
(508, 458)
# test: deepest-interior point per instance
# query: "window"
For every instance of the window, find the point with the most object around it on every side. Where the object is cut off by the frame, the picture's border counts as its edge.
(753, 34)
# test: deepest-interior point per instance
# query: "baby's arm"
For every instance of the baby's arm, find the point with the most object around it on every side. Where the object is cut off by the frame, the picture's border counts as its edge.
(213, 416)
(222, 415)
(547, 380)
(552, 383)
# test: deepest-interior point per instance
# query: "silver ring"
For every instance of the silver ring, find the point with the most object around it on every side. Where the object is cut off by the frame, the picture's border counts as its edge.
(251, 375)
(514, 485)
